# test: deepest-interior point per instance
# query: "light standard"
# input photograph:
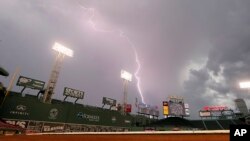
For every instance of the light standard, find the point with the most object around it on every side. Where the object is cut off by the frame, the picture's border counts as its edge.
(240, 102)
(126, 76)
(245, 85)
(62, 51)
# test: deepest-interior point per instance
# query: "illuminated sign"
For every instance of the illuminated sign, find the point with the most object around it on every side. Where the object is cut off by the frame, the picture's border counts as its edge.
(214, 108)
(165, 103)
(73, 93)
(165, 108)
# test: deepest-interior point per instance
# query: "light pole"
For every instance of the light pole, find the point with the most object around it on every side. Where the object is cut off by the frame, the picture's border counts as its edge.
(245, 85)
(62, 51)
(127, 77)
(242, 105)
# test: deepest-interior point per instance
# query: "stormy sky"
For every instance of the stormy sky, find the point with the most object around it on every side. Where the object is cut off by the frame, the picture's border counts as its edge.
(197, 49)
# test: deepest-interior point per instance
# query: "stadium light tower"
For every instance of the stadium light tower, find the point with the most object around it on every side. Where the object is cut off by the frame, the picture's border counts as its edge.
(245, 85)
(62, 51)
(127, 77)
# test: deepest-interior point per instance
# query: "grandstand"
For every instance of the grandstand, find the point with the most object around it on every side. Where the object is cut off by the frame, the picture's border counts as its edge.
(28, 112)
(172, 123)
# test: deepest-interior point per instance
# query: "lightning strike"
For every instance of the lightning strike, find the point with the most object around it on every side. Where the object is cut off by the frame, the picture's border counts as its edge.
(91, 12)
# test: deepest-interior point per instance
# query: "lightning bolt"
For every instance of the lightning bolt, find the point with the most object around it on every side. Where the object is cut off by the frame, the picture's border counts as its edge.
(91, 12)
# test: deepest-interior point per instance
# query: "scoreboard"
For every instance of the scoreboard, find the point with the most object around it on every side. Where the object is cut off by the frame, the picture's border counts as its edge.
(173, 108)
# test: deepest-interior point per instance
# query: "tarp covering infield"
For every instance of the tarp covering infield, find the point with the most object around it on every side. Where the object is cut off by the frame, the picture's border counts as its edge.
(220, 135)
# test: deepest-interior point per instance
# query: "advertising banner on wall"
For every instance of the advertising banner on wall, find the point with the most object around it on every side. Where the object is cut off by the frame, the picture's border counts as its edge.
(108, 101)
(30, 83)
(73, 93)
(35, 126)
(53, 127)
(20, 123)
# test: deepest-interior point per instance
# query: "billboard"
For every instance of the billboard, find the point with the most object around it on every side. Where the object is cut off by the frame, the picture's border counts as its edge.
(73, 93)
(165, 108)
(227, 113)
(148, 109)
(143, 110)
(216, 113)
(30, 83)
(223, 113)
(108, 101)
(205, 113)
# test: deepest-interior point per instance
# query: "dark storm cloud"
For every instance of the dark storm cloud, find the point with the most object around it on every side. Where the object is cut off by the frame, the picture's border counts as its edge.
(228, 59)
(168, 35)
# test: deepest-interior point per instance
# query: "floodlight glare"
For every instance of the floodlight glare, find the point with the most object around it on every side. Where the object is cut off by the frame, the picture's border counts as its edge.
(126, 75)
(245, 85)
(62, 49)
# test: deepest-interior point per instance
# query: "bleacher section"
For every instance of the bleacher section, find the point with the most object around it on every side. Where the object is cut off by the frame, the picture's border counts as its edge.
(173, 122)
(183, 124)
(198, 124)
(212, 125)
(237, 121)
(225, 123)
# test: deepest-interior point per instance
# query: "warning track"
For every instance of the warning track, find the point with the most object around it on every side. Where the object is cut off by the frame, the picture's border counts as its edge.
(220, 135)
